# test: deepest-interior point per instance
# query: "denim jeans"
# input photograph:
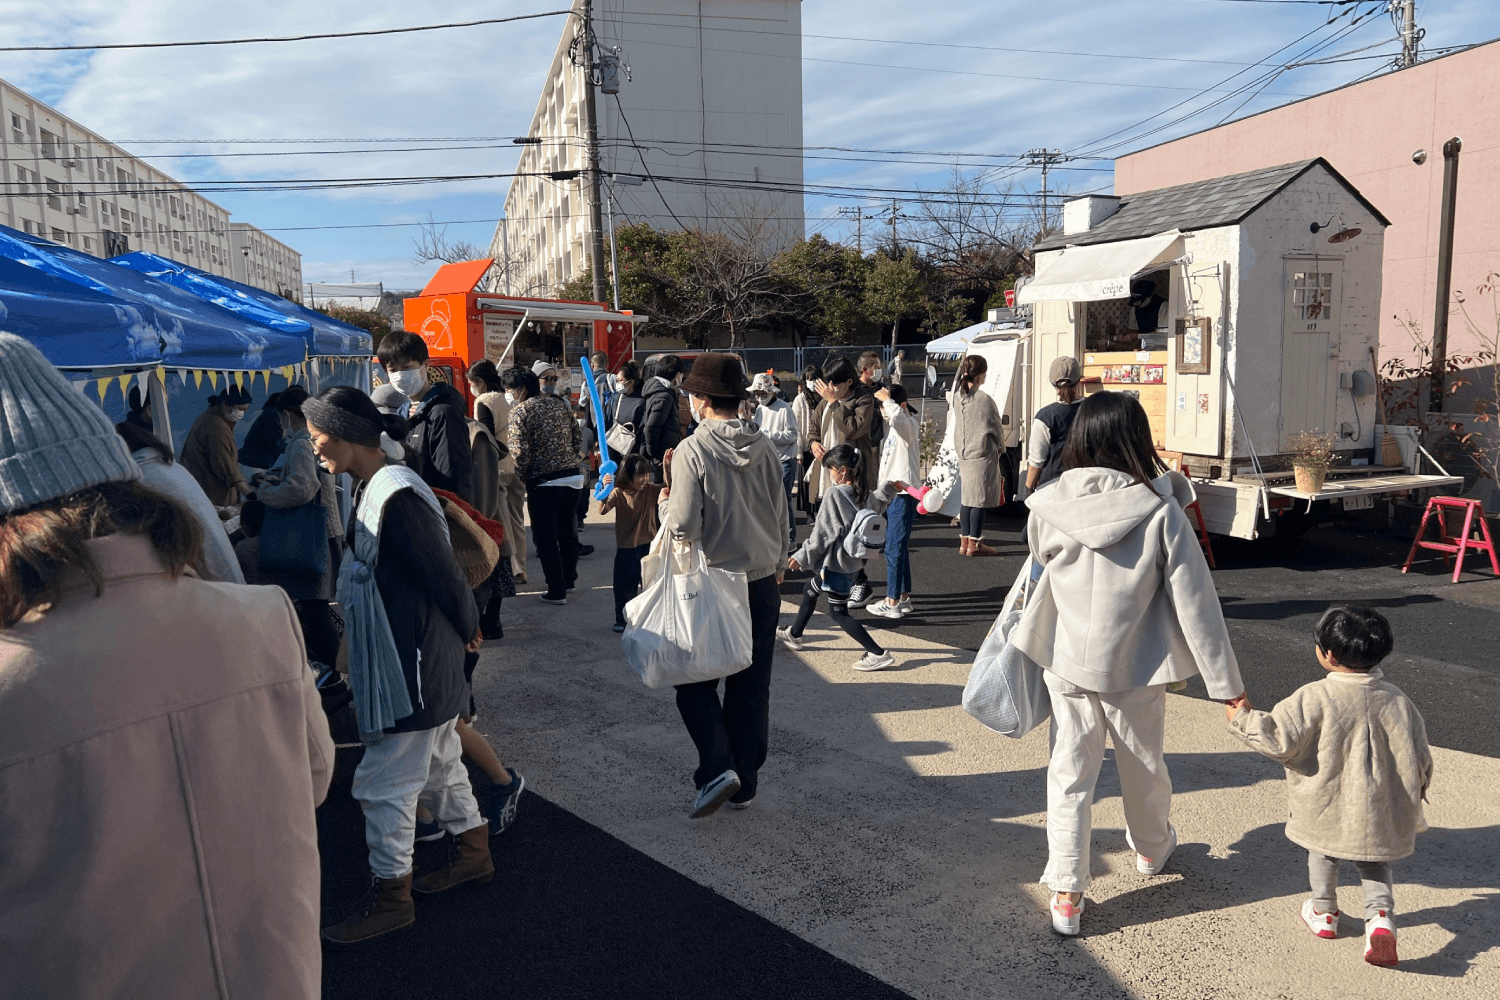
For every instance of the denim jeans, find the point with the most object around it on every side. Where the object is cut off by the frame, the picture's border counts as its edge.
(735, 734)
(971, 522)
(627, 577)
(898, 520)
(554, 533)
(788, 476)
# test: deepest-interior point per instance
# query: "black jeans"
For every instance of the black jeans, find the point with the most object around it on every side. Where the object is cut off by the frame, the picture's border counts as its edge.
(627, 577)
(554, 534)
(319, 633)
(735, 734)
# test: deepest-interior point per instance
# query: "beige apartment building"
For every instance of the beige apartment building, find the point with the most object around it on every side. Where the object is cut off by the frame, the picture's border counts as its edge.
(68, 184)
(714, 94)
(265, 262)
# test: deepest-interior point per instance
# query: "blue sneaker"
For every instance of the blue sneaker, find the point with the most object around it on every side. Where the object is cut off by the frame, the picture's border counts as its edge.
(503, 800)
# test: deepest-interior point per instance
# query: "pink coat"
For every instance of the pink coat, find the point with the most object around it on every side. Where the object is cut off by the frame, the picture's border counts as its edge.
(162, 751)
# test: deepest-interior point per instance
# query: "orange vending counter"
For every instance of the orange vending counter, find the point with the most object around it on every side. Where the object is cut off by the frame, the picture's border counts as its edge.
(462, 325)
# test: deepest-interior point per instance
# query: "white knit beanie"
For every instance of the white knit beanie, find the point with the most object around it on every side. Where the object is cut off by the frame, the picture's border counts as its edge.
(53, 440)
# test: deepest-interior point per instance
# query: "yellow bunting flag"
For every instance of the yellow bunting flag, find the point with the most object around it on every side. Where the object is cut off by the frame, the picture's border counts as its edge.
(125, 381)
(101, 386)
(286, 373)
(197, 374)
(213, 380)
(239, 380)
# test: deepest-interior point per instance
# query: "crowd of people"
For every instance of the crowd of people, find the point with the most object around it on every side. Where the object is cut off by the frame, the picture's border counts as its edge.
(204, 744)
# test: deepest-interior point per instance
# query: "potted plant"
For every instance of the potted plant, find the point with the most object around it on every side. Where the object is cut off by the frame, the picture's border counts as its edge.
(1311, 454)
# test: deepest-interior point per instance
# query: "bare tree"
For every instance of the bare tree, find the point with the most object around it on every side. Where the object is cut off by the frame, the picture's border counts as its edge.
(432, 244)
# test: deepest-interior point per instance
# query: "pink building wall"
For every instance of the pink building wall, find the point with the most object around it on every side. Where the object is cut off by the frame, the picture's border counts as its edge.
(1369, 132)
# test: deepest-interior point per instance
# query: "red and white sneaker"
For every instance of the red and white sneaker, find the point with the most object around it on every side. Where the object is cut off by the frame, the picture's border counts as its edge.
(1066, 914)
(1380, 939)
(1324, 925)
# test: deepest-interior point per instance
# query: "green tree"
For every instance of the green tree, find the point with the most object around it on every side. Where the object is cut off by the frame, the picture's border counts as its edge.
(894, 288)
(829, 280)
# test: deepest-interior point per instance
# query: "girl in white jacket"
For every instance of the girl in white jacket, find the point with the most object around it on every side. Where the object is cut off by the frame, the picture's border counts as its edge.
(1123, 607)
(900, 462)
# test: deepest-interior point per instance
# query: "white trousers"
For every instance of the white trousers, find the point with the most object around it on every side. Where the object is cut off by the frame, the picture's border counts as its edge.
(1135, 721)
(397, 772)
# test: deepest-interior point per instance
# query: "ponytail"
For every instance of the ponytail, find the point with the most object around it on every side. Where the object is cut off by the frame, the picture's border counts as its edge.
(852, 461)
(969, 370)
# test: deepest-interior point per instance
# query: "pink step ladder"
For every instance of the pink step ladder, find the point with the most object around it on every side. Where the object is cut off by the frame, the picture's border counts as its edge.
(1448, 544)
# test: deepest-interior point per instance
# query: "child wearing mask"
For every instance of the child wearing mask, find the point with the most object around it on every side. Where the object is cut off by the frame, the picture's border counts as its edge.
(634, 502)
(824, 550)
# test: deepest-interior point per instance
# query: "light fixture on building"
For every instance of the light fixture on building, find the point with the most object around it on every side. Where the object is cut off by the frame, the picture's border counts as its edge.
(1419, 157)
(1344, 234)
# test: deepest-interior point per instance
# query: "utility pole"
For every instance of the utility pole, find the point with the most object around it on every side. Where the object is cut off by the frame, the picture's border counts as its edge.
(596, 214)
(891, 221)
(857, 213)
(1411, 35)
(1045, 158)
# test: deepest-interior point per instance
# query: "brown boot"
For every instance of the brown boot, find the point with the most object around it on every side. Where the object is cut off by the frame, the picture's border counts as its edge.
(386, 910)
(978, 548)
(468, 861)
(963, 546)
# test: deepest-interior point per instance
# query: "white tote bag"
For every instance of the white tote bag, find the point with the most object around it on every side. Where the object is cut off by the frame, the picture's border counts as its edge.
(1005, 691)
(690, 623)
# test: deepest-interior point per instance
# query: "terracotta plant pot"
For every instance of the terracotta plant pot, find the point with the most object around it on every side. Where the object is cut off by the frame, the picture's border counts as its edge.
(1310, 478)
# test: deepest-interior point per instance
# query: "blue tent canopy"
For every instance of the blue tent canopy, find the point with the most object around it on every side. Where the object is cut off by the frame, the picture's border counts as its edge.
(324, 334)
(187, 331)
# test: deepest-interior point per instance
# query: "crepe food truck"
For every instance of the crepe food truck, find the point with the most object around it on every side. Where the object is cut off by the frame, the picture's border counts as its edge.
(1241, 311)
(462, 325)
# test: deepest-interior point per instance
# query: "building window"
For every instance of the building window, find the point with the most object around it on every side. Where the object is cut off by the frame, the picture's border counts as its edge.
(88, 245)
(49, 145)
(82, 209)
(21, 184)
(1312, 296)
(15, 129)
(177, 240)
(26, 225)
(58, 236)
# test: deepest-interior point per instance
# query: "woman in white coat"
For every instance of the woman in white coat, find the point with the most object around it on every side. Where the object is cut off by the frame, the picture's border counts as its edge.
(1124, 605)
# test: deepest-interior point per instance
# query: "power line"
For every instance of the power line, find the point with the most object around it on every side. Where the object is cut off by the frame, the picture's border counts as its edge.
(280, 38)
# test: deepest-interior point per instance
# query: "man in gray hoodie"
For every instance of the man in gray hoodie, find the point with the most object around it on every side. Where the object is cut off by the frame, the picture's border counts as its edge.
(724, 491)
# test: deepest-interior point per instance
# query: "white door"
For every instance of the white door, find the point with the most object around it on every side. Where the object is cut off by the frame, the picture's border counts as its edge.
(1310, 347)
(1195, 398)
(1056, 332)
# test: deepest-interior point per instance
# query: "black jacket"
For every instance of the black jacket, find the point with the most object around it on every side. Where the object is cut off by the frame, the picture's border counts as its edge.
(627, 408)
(264, 441)
(437, 443)
(660, 427)
(430, 608)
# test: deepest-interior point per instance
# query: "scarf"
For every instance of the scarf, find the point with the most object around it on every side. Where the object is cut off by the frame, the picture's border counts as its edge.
(375, 674)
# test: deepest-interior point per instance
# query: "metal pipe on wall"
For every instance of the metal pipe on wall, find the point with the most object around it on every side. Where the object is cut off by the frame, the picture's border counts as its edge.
(1444, 275)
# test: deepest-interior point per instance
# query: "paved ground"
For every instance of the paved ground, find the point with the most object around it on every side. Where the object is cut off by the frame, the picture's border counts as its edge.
(895, 844)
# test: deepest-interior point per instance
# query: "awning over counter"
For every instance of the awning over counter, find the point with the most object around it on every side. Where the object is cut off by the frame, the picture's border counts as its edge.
(1101, 271)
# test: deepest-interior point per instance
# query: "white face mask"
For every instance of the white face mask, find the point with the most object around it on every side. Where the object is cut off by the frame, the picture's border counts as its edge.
(510, 398)
(236, 415)
(621, 386)
(409, 381)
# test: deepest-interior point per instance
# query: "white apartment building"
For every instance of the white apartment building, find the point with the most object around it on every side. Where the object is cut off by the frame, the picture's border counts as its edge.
(714, 96)
(264, 261)
(71, 185)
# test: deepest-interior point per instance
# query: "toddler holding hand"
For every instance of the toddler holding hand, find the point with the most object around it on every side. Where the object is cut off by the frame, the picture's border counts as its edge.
(1357, 770)
(634, 501)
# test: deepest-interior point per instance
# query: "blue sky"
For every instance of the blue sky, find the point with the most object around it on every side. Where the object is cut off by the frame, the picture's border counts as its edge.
(984, 76)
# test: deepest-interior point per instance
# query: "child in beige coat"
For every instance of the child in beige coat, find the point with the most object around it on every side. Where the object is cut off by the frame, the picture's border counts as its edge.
(1357, 769)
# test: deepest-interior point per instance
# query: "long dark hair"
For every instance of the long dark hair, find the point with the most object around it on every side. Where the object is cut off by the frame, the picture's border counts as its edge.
(1111, 431)
(44, 548)
(137, 437)
(852, 461)
(969, 370)
(483, 371)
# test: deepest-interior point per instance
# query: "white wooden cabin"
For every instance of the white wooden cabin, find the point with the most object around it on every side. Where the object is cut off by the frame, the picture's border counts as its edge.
(1270, 282)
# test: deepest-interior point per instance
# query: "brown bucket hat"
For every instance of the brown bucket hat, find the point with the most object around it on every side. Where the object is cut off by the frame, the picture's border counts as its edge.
(718, 375)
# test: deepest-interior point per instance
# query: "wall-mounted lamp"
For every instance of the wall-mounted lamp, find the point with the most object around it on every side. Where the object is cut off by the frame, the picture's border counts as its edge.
(1344, 233)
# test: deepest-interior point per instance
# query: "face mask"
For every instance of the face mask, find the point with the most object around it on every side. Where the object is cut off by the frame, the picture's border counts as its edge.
(510, 398)
(621, 386)
(235, 416)
(550, 388)
(409, 381)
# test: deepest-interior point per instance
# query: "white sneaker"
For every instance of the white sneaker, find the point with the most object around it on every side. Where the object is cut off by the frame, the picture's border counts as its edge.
(1324, 925)
(1380, 940)
(1066, 915)
(885, 610)
(905, 605)
(875, 661)
(789, 640)
(714, 794)
(1153, 866)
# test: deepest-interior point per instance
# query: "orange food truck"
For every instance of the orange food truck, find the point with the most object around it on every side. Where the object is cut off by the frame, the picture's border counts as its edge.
(461, 325)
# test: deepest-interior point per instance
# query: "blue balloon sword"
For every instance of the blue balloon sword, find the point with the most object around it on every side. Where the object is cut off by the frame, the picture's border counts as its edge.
(606, 467)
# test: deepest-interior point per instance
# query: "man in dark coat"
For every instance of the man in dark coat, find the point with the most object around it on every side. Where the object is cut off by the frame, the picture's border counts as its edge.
(662, 427)
(437, 438)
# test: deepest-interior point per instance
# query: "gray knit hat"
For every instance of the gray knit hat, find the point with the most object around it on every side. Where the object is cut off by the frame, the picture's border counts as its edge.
(53, 440)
